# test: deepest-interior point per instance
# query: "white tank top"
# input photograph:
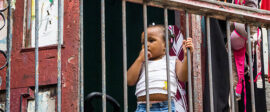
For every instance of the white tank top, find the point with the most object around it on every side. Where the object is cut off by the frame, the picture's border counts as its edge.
(157, 77)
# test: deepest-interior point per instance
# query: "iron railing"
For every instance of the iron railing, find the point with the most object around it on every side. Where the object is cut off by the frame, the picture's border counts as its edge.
(213, 9)
(210, 9)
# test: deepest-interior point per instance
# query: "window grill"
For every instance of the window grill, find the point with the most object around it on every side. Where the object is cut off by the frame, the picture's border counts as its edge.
(213, 9)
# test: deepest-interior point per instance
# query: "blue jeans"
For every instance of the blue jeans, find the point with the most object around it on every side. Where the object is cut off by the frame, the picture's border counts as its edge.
(155, 107)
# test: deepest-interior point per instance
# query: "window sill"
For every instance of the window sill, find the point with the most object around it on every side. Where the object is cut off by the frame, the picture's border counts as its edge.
(30, 49)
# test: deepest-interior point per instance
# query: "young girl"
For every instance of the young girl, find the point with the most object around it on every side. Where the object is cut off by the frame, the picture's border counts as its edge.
(157, 71)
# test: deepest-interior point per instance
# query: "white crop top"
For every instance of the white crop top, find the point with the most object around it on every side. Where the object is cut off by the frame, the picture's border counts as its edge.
(157, 76)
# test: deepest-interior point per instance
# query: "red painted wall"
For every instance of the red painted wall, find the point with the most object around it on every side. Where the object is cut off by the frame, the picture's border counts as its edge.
(23, 60)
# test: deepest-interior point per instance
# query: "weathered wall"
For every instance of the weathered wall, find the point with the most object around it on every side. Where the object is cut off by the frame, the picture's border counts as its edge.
(22, 60)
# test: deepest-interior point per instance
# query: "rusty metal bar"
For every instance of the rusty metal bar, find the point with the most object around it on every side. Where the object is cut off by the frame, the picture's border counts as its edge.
(251, 71)
(103, 55)
(167, 60)
(230, 65)
(60, 37)
(190, 94)
(36, 55)
(209, 63)
(214, 9)
(81, 63)
(9, 48)
(146, 56)
(124, 55)
(268, 41)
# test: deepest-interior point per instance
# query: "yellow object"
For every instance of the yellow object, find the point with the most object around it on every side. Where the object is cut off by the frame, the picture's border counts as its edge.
(33, 9)
(165, 83)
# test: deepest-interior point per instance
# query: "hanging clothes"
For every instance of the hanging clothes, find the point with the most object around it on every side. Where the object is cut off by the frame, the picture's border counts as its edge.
(265, 4)
(181, 104)
(260, 101)
(220, 69)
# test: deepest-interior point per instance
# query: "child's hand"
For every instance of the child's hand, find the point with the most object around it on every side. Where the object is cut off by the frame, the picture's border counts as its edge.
(141, 55)
(187, 44)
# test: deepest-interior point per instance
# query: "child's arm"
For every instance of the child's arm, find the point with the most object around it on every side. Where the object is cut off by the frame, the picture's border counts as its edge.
(135, 69)
(182, 68)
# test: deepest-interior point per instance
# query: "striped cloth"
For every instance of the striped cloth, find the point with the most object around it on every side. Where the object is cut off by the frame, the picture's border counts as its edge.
(176, 50)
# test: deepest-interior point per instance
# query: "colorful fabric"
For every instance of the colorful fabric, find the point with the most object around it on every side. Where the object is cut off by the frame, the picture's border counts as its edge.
(176, 50)
(239, 56)
(238, 42)
(265, 5)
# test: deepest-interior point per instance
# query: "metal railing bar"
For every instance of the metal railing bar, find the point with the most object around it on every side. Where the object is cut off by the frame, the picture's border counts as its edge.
(190, 94)
(146, 56)
(167, 59)
(9, 48)
(251, 71)
(209, 63)
(230, 65)
(81, 63)
(268, 41)
(36, 55)
(124, 55)
(215, 9)
(60, 37)
(103, 55)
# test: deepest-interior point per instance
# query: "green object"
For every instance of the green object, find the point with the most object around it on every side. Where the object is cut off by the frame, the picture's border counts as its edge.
(51, 1)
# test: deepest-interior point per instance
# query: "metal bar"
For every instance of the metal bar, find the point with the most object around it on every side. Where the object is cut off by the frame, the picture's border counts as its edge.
(81, 59)
(60, 37)
(9, 48)
(124, 55)
(216, 9)
(103, 55)
(209, 63)
(36, 55)
(230, 65)
(189, 68)
(146, 56)
(268, 41)
(167, 60)
(251, 71)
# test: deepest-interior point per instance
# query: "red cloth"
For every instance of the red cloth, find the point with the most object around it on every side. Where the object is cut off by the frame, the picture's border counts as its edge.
(265, 4)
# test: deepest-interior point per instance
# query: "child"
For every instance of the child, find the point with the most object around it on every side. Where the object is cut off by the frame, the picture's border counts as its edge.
(157, 71)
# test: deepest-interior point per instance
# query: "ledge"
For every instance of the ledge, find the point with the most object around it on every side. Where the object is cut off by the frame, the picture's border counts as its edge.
(41, 48)
(215, 9)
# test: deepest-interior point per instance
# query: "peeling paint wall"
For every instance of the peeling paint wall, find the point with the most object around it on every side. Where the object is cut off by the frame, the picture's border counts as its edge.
(23, 62)
(47, 101)
(3, 32)
(2, 100)
(48, 22)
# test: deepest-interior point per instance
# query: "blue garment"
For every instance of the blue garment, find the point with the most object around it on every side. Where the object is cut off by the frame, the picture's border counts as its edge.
(156, 107)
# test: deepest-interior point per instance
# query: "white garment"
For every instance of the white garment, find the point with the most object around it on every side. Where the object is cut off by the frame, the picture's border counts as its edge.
(157, 74)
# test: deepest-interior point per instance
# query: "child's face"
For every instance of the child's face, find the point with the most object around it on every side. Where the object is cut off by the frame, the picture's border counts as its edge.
(155, 43)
